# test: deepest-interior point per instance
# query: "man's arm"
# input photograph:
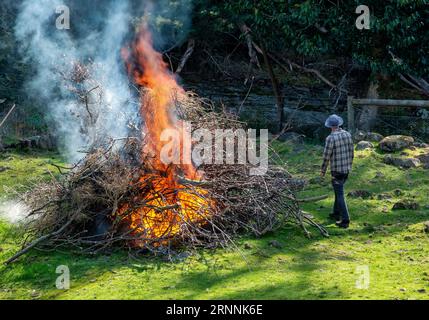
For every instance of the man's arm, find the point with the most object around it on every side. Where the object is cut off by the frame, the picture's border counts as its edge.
(327, 154)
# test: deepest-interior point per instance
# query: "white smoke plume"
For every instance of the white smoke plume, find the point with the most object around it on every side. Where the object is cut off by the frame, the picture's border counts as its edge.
(98, 31)
(13, 212)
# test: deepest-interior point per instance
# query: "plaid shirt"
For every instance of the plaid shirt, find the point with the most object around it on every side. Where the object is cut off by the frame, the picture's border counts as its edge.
(339, 151)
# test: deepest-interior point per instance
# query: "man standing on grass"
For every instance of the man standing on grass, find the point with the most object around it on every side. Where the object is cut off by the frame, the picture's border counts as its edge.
(339, 152)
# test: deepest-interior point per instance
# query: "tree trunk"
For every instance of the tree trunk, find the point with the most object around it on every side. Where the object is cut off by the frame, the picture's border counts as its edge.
(245, 30)
(369, 113)
(186, 56)
(276, 90)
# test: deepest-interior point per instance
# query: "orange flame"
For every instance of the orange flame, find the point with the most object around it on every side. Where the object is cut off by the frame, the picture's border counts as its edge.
(169, 205)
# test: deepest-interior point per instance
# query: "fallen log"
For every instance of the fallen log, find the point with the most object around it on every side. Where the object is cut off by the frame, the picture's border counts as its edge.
(313, 199)
(38, 241)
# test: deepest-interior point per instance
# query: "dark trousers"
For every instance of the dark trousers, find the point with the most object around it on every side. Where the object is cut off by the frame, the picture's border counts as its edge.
(340, 206)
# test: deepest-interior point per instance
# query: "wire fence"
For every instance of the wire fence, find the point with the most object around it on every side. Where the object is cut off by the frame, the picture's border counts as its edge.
(412, 121)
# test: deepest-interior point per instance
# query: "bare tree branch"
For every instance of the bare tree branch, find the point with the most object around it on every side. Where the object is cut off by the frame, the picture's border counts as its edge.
(417, 83)
(7, 116)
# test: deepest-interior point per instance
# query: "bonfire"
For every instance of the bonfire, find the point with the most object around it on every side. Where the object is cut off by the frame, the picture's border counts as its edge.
(122, 193)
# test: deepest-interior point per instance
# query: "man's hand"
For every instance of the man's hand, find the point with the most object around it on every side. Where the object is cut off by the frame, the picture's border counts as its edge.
(322, 174)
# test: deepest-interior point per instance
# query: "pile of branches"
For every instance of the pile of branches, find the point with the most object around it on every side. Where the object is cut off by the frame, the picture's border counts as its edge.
(81, 208)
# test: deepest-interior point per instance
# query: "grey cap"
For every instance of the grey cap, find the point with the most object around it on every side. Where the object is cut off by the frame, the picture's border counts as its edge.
(334, 121)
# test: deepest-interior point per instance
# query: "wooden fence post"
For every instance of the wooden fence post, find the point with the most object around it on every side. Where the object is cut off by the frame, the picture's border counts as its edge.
(350, 115)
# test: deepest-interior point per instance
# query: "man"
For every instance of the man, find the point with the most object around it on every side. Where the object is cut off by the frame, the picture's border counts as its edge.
(339, 152)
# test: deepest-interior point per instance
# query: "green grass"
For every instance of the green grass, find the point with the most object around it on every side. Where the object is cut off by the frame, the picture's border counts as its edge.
(391, 243)
(24, 168)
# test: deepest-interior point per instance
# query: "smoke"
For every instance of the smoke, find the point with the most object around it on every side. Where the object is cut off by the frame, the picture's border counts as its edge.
(13, 212)
(98, 31)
